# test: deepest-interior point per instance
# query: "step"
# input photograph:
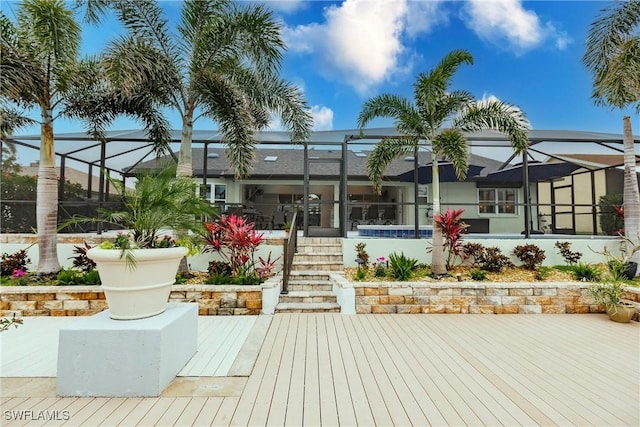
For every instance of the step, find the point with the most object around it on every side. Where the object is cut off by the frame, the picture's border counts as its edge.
(315, 307)
(319, 256)
(310, 275)
(320, 241)
(308, 297)
(307, 288)
(317, 266)
(331, 249)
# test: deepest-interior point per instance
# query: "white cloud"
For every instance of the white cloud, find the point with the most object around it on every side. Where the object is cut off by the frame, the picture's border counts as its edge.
(361, 41)
(322, 117)
(500, 21)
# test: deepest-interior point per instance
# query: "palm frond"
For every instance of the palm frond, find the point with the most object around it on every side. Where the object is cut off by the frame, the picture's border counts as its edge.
(52, 29)
(612, 46)
(144, 18)
(133, 62)
(383, 154)
(497, 115)
(386, 105)
(430, 87)
(270, 94)
(452, 145)
(12, 120)
(447, 106)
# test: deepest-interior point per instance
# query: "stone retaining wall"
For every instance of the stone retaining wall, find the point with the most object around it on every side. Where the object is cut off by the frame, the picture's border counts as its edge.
(89, 300)
(472, 298)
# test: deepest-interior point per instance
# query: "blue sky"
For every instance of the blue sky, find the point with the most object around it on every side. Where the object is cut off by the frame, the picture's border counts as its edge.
(341, 53)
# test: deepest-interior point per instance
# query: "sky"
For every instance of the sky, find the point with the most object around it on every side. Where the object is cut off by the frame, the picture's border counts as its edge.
(341, 53)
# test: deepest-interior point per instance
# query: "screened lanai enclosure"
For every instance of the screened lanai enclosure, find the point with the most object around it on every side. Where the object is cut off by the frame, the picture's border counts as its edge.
(568, 182)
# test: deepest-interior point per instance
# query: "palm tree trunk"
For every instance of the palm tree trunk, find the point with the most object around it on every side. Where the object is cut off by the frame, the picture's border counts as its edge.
(47, 200)
(185, 168)
(631, 194)
(437, 254)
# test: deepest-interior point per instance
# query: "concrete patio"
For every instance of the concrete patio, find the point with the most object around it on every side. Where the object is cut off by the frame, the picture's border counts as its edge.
(332, 369)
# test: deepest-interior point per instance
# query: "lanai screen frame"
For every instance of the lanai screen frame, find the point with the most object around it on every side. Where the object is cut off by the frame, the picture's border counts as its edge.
(340, 138)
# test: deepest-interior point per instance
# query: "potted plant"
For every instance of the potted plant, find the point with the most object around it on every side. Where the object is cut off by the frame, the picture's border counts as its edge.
(139, 267)
(610, 296)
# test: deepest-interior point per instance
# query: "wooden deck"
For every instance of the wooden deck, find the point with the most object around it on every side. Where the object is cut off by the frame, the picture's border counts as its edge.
(331, 369)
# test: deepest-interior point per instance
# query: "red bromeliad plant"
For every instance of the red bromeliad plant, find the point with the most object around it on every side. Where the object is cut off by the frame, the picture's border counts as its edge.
(234, 238)
(452, 230)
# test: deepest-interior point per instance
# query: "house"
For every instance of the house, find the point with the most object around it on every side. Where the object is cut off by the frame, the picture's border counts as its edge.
(275, 188)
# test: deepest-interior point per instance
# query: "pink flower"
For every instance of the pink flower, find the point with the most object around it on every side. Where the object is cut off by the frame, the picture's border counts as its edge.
(18, 273)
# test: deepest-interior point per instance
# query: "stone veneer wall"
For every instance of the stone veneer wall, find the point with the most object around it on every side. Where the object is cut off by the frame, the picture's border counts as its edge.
(475, 298)
(89, 300)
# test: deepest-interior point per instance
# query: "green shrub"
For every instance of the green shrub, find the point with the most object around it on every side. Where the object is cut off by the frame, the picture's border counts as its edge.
(402, 266)
(72, 277)
(586, 272)
(219, 268)
(478, 275)
(361, 274)
(380, 271)
(218, 279)
(542, 273)
(530, 255)
(618, 268)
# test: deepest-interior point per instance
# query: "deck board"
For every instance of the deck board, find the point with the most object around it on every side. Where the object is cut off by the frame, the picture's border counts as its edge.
(332, 369)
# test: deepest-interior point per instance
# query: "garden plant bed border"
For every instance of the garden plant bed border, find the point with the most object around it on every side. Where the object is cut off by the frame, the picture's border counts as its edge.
(387, 297)
(89, 300)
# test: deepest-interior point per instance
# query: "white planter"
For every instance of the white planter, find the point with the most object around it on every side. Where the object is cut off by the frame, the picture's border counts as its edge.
(136, 292)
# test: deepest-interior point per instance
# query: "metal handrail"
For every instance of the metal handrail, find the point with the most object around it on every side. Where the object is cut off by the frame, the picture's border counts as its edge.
(290, 249)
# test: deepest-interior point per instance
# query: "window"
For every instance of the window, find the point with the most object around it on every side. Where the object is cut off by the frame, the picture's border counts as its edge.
(220, 193)
(497, 201)
(205, 191)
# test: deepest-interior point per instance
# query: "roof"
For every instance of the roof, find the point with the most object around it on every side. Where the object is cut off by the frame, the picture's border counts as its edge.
(126, 147)
(288, 163)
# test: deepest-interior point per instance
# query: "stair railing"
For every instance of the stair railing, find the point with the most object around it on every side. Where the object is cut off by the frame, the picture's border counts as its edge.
(290, 249)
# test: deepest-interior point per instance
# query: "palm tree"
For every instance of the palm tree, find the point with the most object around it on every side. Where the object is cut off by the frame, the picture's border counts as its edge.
(221, 63)
(434, 106)
(39, 69)
(36, 54)
(613, 56)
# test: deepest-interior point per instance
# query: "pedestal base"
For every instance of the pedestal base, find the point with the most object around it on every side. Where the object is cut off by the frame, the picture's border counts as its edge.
(99, 356)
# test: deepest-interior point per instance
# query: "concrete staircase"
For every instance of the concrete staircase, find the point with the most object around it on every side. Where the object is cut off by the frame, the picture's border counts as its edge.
(309, 286)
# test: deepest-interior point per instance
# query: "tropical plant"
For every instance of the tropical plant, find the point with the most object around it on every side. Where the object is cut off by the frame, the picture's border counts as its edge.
(452, 230)
(472, 251)
(613, 57)
(402, 266)
(530, 255)
(586, 272)
(607, 293)
(221, 63)
(362, 254)
(14, 262)
(478, 275)
(435, 106)
(41, 71)
(569, 256)
(158, 202)
(235, 240)
(80, 259)
(492, 259)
